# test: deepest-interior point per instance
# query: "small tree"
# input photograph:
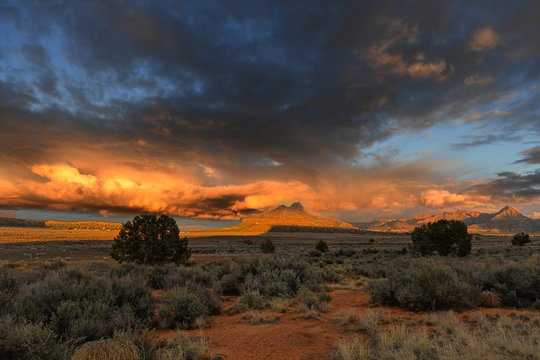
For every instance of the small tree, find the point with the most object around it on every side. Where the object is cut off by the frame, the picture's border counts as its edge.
(322, 246)
(149, 239)
(267, 246)
(444, 236)
(521, 239)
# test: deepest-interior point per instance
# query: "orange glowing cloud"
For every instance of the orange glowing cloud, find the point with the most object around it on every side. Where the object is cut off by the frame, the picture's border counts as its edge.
(174, 190)
(443, 198)
(64, 173)
(67, 188)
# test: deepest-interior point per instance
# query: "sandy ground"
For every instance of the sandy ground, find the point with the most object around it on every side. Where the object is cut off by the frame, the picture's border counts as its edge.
(293, 337)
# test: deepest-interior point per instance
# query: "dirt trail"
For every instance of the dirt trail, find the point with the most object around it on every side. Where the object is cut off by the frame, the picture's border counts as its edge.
(292, 337)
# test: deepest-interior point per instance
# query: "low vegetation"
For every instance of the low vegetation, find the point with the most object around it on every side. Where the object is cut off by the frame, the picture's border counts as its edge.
(64, 311)
(448, 337)
(426, 286)
(57, 311)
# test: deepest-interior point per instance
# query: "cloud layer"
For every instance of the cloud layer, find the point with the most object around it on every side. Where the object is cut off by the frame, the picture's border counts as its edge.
(215, 110)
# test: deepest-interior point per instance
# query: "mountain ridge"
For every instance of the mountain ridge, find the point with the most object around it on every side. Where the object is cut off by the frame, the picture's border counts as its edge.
(295, 216)
(507, 220)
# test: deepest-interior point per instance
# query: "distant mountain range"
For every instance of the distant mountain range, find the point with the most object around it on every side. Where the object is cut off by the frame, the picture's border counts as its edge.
(296, 218)
(505, 221)
(289, 218)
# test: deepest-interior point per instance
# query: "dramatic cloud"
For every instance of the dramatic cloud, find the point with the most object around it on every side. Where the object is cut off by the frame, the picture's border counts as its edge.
(217, 109)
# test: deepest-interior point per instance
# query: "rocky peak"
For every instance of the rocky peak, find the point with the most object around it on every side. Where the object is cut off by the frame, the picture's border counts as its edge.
(507, 212)
(297, 206)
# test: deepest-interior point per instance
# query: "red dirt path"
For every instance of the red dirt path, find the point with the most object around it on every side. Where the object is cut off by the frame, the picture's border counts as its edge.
(292, 337)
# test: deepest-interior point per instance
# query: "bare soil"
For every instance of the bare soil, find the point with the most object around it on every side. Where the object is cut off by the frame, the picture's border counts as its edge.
(294, 337)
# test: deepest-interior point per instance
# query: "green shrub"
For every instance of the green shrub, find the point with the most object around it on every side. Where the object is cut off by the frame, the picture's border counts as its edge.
(444, 237)
(426, 286)
(517, 285)
(307, 298)
(252, 299)
(382, 292)
(149, 239)
(76, 304)
(128, 270)
(520, 239)
(208, 298)
(181, 308)
(231, 284)
(238, 307)
(8, 289)
(322, 246)
(56, 265)
(331, 275)
(156, 276)
(267, 246)
(181, 276)
(275, 276)
(25, 341)
(315, 253)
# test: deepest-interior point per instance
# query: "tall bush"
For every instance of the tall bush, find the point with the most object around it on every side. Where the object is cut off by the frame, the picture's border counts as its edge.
(444, 237)
(521, 239)
(149, 239)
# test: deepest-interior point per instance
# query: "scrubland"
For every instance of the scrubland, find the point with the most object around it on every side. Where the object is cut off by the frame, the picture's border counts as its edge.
(363, 300)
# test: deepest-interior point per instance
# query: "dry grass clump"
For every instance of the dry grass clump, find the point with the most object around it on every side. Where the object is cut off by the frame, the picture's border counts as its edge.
(183, 347)
(349, 316)
(256, 318)
(368, 323)
(490, 299)
(353, 349)
(280, 305)
(450, 339)
(106, 349)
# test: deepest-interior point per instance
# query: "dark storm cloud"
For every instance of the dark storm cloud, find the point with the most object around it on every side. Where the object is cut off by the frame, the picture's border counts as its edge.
(530, 156)
(308, 81)
(511, 185)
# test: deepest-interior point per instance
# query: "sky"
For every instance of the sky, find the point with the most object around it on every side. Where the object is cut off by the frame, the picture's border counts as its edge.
(212, 110)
